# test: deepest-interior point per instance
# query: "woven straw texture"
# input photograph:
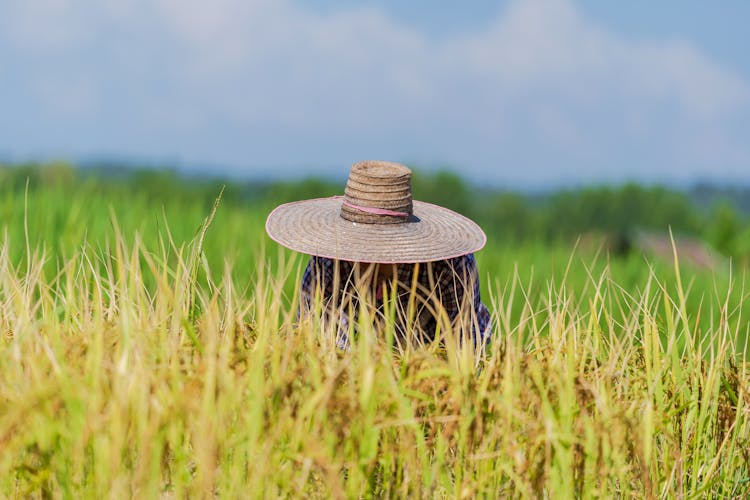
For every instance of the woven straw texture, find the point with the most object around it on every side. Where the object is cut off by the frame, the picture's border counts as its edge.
(378, 184)
(327, 228)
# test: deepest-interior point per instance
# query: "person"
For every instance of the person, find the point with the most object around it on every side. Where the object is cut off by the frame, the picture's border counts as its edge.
(378, 252)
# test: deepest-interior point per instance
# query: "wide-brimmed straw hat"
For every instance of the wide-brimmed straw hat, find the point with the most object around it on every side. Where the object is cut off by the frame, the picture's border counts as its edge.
(375, 221)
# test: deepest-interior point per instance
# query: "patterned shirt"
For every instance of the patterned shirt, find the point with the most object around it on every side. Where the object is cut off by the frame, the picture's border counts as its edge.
(436, 299)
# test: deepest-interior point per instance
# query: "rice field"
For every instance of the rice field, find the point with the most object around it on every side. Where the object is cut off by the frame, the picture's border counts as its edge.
(152, 349)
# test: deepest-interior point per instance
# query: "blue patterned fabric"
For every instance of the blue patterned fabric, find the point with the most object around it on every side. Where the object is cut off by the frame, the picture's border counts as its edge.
(439, 292)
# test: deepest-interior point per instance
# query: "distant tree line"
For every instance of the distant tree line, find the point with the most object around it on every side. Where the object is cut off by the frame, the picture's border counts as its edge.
(717, 215)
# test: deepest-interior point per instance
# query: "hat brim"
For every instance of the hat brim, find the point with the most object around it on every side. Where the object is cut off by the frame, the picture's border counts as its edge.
(315, 227)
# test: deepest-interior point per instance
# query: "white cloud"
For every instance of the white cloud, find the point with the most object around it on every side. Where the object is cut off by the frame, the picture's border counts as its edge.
(542, 89)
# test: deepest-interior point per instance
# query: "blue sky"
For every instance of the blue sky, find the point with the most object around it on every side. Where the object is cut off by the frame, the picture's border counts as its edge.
(522, 93)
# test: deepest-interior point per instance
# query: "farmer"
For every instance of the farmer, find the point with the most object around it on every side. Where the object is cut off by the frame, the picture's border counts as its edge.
(376, 251)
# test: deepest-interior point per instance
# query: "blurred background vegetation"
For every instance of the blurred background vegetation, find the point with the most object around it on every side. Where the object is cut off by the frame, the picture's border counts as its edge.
(545, 239)
(616, 217)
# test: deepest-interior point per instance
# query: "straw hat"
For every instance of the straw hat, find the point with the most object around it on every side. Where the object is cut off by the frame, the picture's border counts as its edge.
(375, 221)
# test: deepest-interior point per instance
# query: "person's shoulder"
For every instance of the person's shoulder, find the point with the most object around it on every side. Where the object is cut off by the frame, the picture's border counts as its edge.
(320, 262)
(461, 260)
(455, 264)
(326, 263)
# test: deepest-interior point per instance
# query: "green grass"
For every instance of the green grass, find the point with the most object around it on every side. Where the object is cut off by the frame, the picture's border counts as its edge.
(134, 365)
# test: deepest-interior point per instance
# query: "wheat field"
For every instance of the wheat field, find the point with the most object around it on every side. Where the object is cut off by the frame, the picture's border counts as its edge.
(171, 363)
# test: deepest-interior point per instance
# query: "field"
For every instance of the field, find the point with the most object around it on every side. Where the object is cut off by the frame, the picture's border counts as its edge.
(150, 347)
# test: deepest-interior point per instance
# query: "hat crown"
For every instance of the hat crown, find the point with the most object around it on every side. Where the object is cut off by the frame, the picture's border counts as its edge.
(378, 192)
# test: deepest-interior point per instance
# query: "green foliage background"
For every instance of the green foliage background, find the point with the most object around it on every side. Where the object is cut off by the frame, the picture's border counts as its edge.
(563, 236)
